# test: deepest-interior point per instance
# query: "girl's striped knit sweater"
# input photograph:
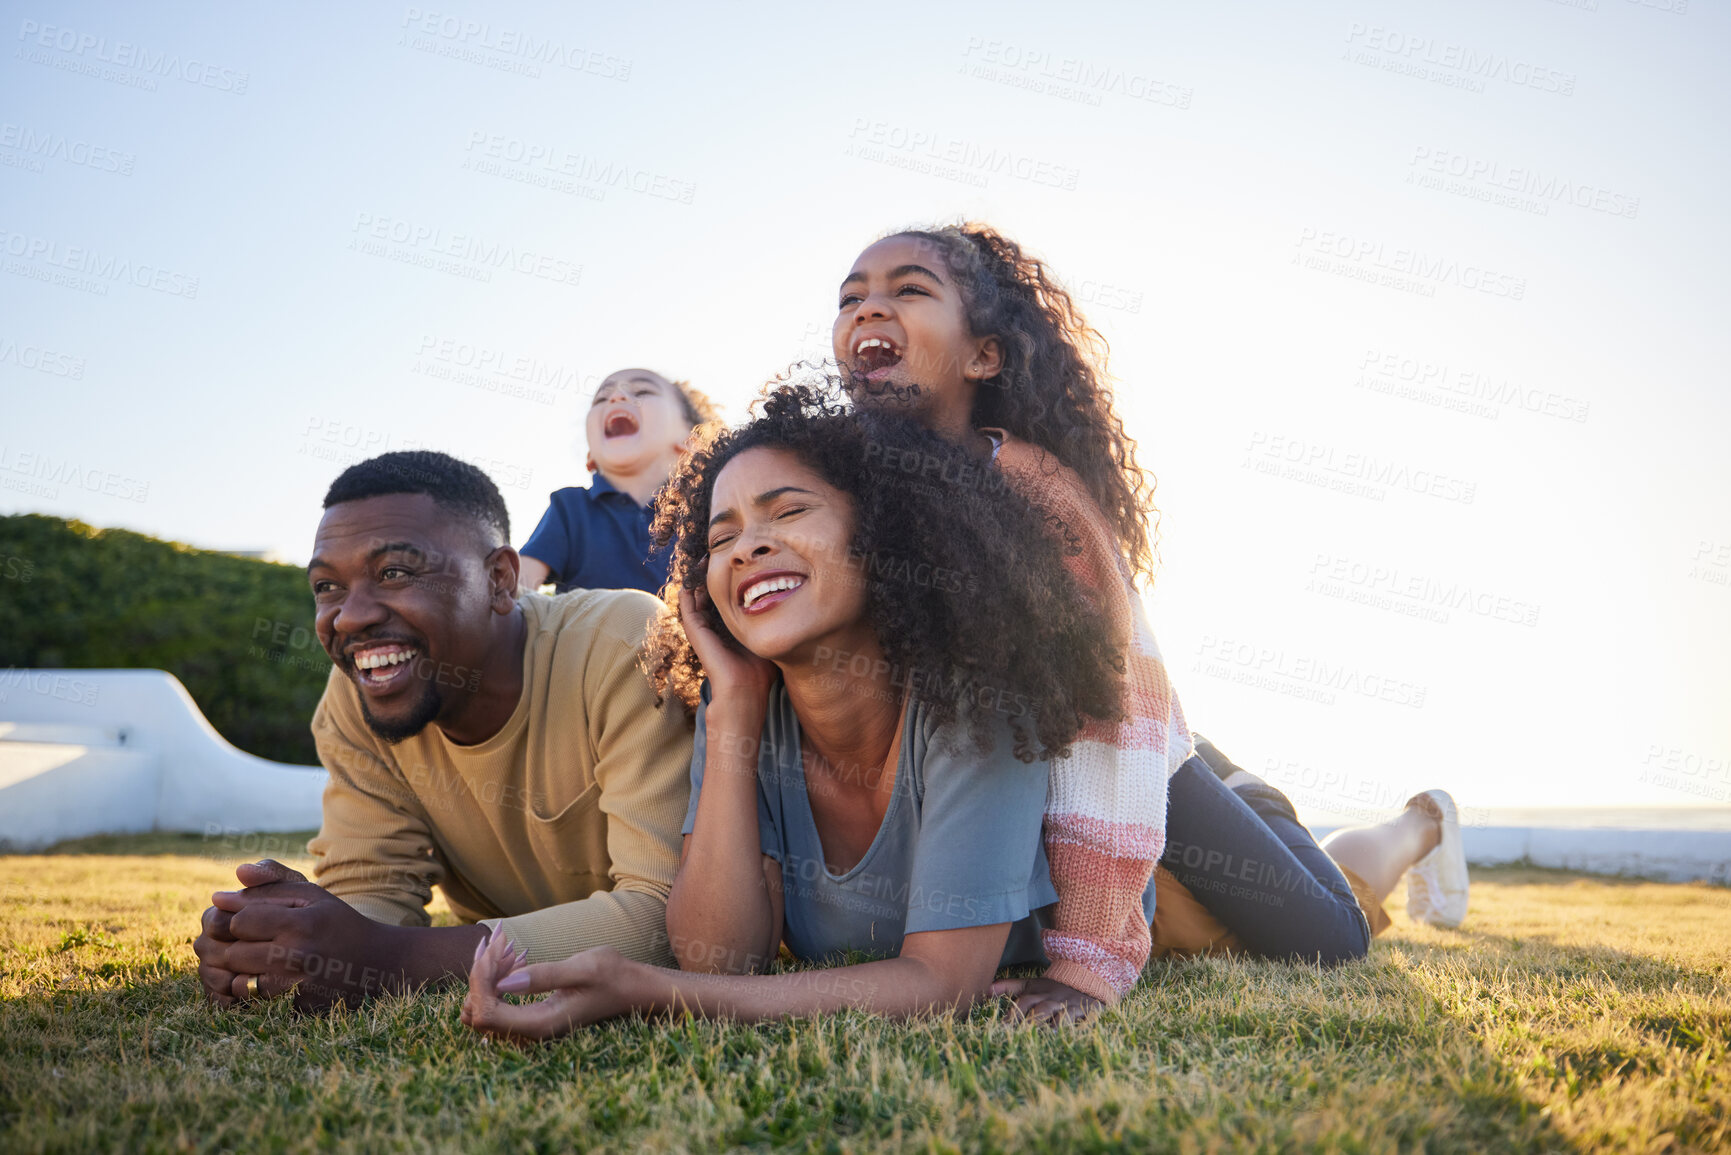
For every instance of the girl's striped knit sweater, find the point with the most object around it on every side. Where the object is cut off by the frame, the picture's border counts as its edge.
(1105, 826)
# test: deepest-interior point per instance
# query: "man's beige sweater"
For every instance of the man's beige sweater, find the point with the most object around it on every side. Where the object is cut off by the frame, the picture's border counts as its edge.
(564, 825)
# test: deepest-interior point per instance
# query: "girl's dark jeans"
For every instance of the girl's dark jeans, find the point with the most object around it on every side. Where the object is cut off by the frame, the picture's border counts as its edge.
(1246, 857)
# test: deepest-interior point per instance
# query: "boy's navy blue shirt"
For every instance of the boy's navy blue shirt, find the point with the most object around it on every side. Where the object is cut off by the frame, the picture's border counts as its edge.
(597, 539)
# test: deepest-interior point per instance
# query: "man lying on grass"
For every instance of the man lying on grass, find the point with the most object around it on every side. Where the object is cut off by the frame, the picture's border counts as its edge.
(505, 748)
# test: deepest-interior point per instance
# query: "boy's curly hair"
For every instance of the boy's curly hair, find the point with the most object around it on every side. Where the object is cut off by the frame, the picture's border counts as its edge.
(966, 586)
(1053, 389)
(695, 403)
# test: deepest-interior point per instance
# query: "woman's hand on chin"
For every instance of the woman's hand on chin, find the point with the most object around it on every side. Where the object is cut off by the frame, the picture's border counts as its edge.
(734, 675)
(583, 989)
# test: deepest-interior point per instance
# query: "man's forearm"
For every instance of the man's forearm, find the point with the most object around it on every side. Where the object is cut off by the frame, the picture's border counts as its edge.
(436, 955)
(395, 960)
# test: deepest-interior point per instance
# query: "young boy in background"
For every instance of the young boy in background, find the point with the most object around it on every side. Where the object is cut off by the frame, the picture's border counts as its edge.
(598, 538)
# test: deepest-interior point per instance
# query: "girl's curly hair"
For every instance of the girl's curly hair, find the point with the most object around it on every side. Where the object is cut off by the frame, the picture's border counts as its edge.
(1053, 389)
(966, 587)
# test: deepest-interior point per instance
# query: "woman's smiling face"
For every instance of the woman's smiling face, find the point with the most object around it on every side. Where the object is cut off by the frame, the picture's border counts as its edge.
(902, 322)
(781, 568)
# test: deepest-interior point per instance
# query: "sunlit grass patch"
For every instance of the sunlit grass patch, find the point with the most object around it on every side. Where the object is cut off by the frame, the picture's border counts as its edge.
(1568, 1013)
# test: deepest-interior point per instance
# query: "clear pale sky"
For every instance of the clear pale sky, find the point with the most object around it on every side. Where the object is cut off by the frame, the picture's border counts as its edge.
(1417, 310)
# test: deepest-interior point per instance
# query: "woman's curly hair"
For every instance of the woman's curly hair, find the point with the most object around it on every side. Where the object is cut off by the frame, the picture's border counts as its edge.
(1053, 389)
(966, 587)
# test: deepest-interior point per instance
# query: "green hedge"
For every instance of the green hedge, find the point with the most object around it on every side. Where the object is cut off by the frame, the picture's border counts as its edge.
(236, 632)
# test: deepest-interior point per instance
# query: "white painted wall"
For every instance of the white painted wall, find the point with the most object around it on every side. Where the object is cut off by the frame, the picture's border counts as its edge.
(119, 751)
(1670, 855)
(1667, 855)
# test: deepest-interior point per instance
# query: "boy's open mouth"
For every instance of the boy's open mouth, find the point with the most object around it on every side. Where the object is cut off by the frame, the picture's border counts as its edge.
(874, 357)
(619, 424)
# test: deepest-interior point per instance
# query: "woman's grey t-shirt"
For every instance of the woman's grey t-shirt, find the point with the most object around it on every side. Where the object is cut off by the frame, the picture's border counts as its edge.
(959, 845)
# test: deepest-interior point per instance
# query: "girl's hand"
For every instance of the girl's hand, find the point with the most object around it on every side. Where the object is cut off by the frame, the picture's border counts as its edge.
(732, 674)
(585, 989)
(1047, 1001)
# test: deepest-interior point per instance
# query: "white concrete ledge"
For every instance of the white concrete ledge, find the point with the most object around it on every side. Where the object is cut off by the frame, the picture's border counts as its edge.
(1670, 855)
(47, 788)
(121, 751)
(1667, 855)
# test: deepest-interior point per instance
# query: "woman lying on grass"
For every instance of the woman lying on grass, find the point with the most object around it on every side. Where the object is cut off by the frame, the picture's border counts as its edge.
(887, 658)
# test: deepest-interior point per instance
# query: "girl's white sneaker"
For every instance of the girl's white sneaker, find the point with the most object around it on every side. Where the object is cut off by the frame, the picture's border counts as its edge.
(1436, 885)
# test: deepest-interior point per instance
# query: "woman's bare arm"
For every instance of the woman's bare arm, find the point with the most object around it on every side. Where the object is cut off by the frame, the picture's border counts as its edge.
(937, 971)
(724, 912)
(725, 909)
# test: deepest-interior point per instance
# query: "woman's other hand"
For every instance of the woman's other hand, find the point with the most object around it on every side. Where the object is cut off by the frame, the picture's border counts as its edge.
(581, 990)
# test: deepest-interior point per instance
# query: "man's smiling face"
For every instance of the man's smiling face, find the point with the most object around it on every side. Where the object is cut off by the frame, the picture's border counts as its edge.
(402, 601)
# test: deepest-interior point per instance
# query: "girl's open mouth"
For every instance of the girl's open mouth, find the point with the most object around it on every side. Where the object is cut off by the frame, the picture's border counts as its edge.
(874, 357)
(619, 424)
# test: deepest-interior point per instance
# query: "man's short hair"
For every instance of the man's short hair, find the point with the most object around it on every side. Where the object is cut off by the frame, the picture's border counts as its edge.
(455, 485)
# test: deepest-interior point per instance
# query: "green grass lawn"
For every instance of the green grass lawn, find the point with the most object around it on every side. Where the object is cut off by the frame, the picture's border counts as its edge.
(1569, 1014)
